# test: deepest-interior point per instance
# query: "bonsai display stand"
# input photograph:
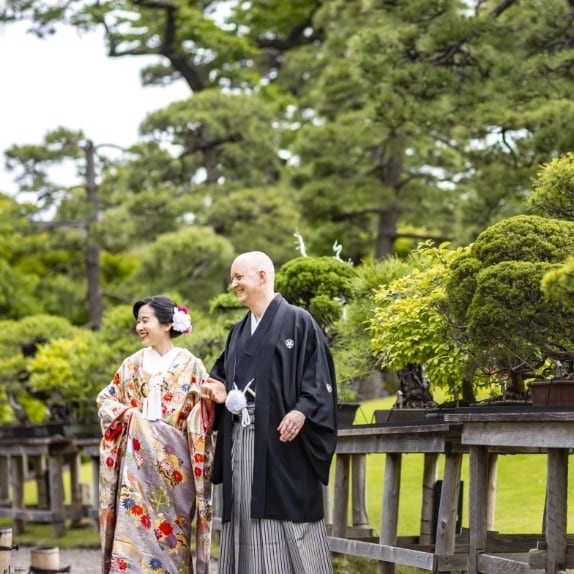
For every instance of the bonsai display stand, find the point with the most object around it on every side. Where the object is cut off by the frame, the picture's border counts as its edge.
(47, 456)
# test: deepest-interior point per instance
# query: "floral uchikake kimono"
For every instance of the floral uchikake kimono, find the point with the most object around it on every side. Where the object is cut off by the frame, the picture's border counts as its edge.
(155, 474)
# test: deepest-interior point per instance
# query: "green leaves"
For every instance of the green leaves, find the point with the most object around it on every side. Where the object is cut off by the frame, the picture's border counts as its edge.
(411, 324)
(496, 293)
(553, 190)
(319, 284)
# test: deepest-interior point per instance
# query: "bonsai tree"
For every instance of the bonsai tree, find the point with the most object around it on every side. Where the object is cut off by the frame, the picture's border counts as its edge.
(511, 294)
(319, 284)
(495, 292)
(20, 341)
(411, 330)
(51, 370)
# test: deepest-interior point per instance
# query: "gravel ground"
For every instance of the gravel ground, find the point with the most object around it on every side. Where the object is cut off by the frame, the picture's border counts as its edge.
(80, 560)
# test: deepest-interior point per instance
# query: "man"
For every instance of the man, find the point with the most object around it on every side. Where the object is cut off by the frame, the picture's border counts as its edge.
(274, 453)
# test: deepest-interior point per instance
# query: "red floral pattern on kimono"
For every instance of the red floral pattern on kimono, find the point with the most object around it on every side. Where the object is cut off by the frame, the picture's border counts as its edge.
(155, 475)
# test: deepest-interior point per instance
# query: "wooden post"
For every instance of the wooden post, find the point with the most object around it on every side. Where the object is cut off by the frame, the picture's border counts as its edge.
(448, 507)
(359, 482)
(479, 500)
(17, 467)
(556, 509)
(4, 479)
(390, 513)
(429, 479)
(57, 495)
(76, 492)
(342, 463)
(39, 465)
(491, 496)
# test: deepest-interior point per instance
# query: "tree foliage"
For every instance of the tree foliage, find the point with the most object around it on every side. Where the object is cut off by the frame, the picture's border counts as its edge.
(20, 341)
(495, 293)
(411, 324)
(319, 284)
(553, 190)
(375, 124)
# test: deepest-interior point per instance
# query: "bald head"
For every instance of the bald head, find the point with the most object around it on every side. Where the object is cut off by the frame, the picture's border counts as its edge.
(257, 261)
(253, 279)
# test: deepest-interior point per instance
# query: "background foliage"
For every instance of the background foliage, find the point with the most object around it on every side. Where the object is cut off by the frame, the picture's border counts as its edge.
(372, 125)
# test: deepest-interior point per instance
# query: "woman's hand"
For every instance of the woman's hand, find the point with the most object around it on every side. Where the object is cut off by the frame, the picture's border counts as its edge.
(213, 390)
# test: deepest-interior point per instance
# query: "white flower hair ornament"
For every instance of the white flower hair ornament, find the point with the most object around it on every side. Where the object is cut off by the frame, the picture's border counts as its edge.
(181, 320)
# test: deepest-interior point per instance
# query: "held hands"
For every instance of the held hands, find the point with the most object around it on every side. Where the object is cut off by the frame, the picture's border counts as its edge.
(291, 425)
(213, 390)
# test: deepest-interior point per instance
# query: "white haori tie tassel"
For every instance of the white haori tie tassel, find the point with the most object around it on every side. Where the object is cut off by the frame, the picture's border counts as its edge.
(236, 403)
(152, 404)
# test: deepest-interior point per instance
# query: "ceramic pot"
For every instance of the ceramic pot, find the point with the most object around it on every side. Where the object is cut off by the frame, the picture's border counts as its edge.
(5, 550)
(45, 558)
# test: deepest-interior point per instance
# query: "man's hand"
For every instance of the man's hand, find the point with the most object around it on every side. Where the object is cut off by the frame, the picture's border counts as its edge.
(291, 425)
(213, 390)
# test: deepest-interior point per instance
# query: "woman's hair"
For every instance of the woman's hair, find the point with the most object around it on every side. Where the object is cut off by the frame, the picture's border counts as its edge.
(163, 307)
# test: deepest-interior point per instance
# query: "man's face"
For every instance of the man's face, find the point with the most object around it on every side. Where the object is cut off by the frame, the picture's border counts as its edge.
(246, 282)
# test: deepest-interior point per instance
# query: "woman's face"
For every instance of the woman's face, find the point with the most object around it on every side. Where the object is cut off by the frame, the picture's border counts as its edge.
(150, 331)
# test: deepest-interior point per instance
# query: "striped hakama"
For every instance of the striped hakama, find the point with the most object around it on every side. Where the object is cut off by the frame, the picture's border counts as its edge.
(264, 546)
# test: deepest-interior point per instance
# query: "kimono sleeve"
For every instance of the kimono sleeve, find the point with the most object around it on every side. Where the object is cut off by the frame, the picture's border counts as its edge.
(199, 425)
(318, 400)
(114, 403)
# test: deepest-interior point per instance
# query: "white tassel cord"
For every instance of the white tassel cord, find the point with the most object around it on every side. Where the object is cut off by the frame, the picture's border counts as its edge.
(236, 403)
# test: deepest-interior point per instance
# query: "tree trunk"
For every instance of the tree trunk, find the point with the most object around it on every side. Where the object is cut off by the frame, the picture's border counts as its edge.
(92, 249)
(414, 391)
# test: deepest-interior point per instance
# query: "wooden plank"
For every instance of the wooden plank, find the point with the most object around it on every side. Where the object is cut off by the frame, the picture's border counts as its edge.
(391, 443)
(556, 509)
(29, 514)
(382, 552)
(519, 434)
(378, 430)
(390, 511)
(31, 447)
(512, 564)
(531, 415)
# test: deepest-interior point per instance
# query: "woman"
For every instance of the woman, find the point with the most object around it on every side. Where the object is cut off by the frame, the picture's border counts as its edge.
(156, 452)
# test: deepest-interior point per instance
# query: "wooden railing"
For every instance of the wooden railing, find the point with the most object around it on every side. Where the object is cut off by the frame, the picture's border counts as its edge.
(439, 545)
